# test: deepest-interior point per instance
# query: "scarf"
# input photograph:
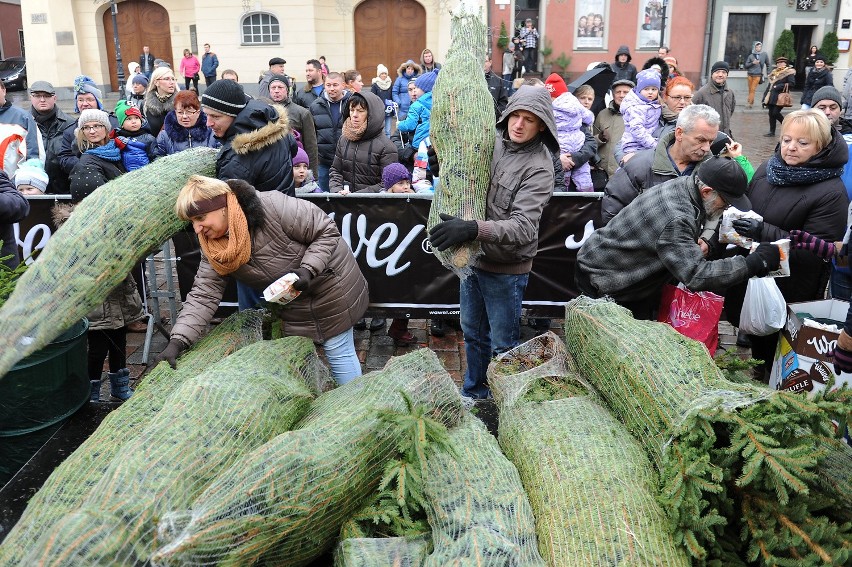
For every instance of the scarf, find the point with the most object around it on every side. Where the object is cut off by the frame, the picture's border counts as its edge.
(780, 174)
(231, 251)
(44, 119)
(384, 85)
(108, 151)
(351, 133)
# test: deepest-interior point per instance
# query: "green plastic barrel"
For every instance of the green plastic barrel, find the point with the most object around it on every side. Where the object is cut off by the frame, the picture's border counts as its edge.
(40, 392)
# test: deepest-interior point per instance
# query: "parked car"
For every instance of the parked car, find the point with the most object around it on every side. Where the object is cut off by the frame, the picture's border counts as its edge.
(13, 73)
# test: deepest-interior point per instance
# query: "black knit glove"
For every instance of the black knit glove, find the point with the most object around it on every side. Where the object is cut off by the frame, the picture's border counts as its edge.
(305, 277)
(432, 157)
(750, 228)
(763, 260)
(452, 231)
(169, 354)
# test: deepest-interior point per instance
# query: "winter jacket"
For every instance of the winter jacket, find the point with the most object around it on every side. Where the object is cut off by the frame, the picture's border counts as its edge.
(138, 149)
(69, 155)
(91, 172)
(359, 163)
(259, 149)
(306, 96)
(756, 63)
(609, 120)
(640, 120)
(498, 93)
(417, 120)
(18, 137)
(384, 94)
(292, 234)
(653, 240)
(189, 66)
(51, 127)
(302, 121)
(721, 99)
(508, 62)
(149, 59)
(400, 88)
(521, 185)
(209, 64)
(624, 70)
(777, 80)
(425, 68)
(14, 207)
(174, 138)
(816, 79)
(137, 100)
(571, 118)
(818, 208)
(328, 131)
(156, 110)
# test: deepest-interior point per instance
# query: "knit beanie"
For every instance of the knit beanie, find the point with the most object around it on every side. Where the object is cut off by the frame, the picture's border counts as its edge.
(94, 115)
(720, 66)
(555, 85)
(827, 93)
(83, 85)
(224, 96)
(380, 69)
(140, 79)
(280, 79)
(123, 109)
(393, 174)
(646, 78)
(301, 157)
(31, 172)
(426, 81)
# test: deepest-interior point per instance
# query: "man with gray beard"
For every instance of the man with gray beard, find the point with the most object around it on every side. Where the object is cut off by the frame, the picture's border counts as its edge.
(654, 240)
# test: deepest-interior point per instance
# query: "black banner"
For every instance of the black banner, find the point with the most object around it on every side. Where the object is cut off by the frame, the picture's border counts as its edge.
(388, 238)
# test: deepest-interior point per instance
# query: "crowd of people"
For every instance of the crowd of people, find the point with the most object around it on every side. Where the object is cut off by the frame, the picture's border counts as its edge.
(660, 150)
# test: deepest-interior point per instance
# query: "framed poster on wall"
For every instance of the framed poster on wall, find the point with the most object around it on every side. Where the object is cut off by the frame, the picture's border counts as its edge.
(590, 26)
(651, 22)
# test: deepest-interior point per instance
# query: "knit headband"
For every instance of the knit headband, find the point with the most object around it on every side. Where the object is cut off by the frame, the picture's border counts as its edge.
(207, 205)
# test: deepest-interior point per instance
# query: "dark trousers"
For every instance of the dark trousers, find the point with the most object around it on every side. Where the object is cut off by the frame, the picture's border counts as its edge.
(774, 116)
(193, 80)
(644, 309)
(208, 79)
(112, 342)
(531, 59)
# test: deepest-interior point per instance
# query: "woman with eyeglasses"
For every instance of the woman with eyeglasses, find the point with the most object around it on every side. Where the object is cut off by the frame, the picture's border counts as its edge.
(185, 127)
(160, 98)
(676, 96)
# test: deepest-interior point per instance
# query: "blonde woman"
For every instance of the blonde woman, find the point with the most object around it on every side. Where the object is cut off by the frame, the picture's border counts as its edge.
(160, 98)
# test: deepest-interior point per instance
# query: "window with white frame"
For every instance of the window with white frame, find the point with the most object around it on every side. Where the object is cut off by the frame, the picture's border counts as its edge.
(260, 28)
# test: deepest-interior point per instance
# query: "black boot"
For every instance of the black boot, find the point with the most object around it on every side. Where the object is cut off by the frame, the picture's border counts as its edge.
(377, 324)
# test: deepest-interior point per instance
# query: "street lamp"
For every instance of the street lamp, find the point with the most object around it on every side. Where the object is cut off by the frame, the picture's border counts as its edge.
(662, 23)
(118, 62)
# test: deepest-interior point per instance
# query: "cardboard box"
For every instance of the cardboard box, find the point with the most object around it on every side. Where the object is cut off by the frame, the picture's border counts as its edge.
(801, 359)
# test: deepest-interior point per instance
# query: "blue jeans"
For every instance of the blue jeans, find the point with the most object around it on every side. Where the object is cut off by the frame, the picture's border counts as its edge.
(490, 309)
(840, 284)
(340, 351)
(248, 297)
(388, 125)
(322, 173)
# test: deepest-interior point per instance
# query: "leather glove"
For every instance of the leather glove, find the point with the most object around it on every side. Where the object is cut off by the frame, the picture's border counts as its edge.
(763, 260)
(452, 231)
(842, 357)
(169, 354)
(750, 228)
(806, 241)
(434, 166)
(305, 277)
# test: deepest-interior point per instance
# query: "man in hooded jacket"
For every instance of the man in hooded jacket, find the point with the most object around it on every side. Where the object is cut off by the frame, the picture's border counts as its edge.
(622, 67)
(521, 185)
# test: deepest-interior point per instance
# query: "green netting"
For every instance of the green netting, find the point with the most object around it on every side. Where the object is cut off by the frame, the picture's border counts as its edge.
(67, 487)
(381, 552)
(285, 502)
(737, 462)
(461, 128)
(95, 249)
(591, 485)
(478, 510)
(206, 425)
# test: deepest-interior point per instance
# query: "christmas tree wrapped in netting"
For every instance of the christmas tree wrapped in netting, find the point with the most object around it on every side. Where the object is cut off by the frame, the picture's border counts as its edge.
(381, 552)
(477, 507)
(591, 485)
(738, 463)
(109, 232)
(208, 423)
(462, 130)
(72, 481)
(285, 502)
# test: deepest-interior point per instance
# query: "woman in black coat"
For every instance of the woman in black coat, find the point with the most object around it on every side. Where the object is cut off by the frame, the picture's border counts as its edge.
(819, 77)
(780, 77)
(797, 188)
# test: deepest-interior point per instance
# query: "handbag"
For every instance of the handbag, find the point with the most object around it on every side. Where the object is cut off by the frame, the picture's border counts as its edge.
(784, 99)
(196, 77)
(692, 314)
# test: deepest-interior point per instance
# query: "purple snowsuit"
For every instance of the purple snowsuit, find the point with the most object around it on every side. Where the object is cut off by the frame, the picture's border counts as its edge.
(570, 117)
(640, 120)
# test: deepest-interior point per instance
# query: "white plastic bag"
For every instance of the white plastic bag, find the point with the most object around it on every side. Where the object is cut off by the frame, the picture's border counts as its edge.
(727, 234)
(764, 309)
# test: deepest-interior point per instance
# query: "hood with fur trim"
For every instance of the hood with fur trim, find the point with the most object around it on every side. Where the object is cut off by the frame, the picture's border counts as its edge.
(249, 201)
(257, 126)
(664, 69)
(417, 68)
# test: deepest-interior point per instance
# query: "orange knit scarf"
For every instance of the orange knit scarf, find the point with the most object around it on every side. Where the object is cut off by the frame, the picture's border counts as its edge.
(231, 251)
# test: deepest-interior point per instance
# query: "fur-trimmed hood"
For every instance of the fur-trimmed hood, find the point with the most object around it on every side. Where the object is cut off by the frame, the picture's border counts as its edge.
(417, 68)
(664, 69)
(178, 133)
(247, 197)
(257, 126)
(61, 212)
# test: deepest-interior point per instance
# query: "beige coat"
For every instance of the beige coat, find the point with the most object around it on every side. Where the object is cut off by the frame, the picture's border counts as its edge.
(294, 233)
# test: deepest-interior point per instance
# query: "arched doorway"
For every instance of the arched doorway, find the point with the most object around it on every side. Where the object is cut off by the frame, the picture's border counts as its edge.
(140, 23)
(388, 32)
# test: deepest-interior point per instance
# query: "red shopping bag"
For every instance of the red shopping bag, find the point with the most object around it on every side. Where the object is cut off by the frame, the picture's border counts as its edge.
(692, 314)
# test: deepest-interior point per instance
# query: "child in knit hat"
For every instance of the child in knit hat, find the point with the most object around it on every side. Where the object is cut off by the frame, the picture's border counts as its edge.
(136, 94)
(30, 177)
(138, 147)
(417, 120)
(302, 174)
(396, 179)
(570, 116)
(641, 111)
